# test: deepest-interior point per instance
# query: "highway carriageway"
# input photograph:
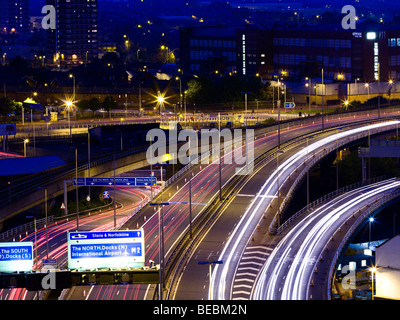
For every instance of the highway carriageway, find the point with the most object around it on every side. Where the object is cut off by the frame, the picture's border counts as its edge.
(295, 132)
(205, 186)
(178, 235)
(27, 191)
(302, 264)
(53, 179)
(233, 231)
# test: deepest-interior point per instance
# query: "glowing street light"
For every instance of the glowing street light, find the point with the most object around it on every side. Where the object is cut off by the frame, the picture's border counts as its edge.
(68, 105)
(25, 142)
(370, 220)
(373, 271)
(367, 86)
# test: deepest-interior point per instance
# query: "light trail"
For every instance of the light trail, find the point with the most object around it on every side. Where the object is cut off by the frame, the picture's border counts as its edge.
(304, 243)
(219, 281)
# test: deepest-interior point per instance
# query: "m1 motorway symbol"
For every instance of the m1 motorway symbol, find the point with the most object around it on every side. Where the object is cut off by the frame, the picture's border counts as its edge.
(119, 181)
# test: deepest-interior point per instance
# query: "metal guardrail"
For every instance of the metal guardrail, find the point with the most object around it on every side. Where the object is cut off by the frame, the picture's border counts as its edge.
(25, 227)
(314, 159)
(326, 198)
(19, 190)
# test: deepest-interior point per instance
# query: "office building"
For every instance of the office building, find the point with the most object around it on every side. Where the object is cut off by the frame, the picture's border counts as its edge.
(14, 16)
(74, 41)
(368, 53)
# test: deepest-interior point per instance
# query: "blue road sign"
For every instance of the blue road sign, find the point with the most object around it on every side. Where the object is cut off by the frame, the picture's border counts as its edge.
(106, 195)
(290, 105)
(119, 181)
(16, 256)
(106, 249)
(146, 181)
(96, 235)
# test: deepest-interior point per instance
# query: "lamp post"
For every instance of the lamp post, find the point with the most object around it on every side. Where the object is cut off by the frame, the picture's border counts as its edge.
(73, 87)
(25, 142)
(379, 90)
(245, 105)
(322, 95)
(180, 92)
(337, 159)
(76, 189)
(161, 232)
(309, 94)
(308, 176)
(210, 263)
(68, 105)
(373, 271)
(160, 100)
(45, 211)
(370, 220)
(73, 90)
(391, 84)
(277, 180)
(34, 223)
(278, 103)
(367, 86)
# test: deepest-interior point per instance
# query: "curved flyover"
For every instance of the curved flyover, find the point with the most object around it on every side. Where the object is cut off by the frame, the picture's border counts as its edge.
(302, 264)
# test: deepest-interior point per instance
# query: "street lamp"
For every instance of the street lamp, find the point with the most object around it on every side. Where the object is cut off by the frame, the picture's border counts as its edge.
(25, 142)
(308, 176)
(68, 105)
(373, 271)
(277, 180)
(161, 232)
(370, 220)
(308, 85)
(71, 76)
(34, 223)
(45, 211)
(367, 86)
(390, 83)
(160, 102)
(346, 104)
(210, 263)
(180, 91)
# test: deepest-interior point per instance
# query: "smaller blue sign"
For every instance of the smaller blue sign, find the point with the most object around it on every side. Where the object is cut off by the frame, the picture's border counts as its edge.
(146, 181)
(89, 235)
(106, 195)
(50, 261)
(290, 105)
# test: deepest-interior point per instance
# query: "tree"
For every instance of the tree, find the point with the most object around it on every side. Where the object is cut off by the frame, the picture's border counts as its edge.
(7, 106)
(94, 104)
(83, 104)
(109, 103)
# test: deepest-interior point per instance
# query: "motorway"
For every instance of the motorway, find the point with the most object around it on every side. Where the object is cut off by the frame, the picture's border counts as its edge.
(228, 238)
(287, 273)
(204, 186)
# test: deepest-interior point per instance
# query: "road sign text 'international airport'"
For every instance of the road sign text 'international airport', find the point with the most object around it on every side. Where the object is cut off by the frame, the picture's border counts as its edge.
(106, 249)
